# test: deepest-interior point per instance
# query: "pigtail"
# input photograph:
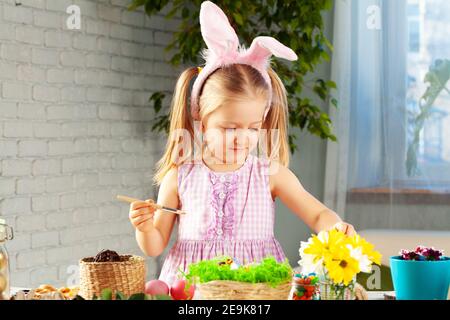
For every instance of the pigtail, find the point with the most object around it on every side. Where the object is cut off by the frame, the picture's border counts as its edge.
(276, 141)
(181, 129)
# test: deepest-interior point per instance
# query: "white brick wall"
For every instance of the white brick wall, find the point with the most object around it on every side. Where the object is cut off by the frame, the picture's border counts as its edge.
(75, 129)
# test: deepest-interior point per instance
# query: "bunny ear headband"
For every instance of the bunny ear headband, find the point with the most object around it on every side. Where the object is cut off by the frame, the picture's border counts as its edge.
(223, 49)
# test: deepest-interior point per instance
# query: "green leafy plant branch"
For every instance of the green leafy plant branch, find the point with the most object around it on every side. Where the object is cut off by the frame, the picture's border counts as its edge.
(437, 78)
(298, 24)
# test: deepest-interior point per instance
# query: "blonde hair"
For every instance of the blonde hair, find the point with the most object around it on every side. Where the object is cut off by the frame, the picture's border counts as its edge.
(232, 82)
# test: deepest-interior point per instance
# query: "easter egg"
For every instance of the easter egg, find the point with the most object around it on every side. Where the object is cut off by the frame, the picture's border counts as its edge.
(156, 287)
(178, 290)
(234, 266)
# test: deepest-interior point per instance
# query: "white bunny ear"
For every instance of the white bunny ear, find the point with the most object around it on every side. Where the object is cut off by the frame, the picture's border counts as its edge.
(216, 30)
(263, 47)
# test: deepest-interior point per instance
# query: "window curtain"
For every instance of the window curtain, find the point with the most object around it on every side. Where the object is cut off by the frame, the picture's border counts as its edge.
(367, 176)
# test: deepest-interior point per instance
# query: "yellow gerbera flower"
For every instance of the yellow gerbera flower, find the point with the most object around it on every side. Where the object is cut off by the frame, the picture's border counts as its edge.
(342, 268)
(367, 248)
(325, 244)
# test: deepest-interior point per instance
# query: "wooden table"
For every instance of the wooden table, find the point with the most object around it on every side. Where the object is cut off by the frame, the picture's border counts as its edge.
(373, 295)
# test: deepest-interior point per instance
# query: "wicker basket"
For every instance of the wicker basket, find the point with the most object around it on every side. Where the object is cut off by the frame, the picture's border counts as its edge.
(126, 276)
(236, 290)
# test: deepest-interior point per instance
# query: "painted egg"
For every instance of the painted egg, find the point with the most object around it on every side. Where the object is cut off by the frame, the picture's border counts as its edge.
(156, 287)
(178, 290)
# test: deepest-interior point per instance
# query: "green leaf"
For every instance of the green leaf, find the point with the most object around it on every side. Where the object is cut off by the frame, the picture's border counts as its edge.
(185, 13)
(294, 43)
(328, 4)
(149, 9)
(173, 11)
(120, 296)
(334, 102)
(137, 296)
(331, 84)
(238, 18)
(157, 99)
(136, 4)
(106, 294)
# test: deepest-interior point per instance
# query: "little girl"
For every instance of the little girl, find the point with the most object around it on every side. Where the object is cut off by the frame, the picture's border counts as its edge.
(228, 188)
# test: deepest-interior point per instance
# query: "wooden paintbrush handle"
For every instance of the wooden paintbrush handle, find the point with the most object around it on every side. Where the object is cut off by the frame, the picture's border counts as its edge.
(154, 204)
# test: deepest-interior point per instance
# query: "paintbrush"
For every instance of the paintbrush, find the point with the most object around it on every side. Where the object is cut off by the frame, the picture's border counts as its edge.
(155, 205)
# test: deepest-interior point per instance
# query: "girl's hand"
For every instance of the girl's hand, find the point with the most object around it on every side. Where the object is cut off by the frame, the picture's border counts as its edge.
(345, 227)
(141, 215)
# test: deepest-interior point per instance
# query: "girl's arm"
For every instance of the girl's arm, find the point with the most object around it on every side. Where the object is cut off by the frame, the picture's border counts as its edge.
(154, 241)
(285, 185)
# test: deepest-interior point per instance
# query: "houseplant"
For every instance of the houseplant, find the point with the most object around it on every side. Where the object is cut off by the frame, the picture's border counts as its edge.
(422, 274)
(337, 258)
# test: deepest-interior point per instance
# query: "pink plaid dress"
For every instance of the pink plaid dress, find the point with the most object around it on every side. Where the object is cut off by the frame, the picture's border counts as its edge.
(228, 213)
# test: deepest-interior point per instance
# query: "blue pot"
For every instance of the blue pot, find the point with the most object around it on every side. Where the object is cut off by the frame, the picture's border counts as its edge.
(420, 280)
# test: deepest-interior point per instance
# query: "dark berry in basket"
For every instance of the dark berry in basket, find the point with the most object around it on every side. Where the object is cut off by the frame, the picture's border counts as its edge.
(107, 256)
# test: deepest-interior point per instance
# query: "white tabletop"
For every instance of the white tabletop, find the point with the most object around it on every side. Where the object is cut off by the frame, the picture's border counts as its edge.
(379, 295)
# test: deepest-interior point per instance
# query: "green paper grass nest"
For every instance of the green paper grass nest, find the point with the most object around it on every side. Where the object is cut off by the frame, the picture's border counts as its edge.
(268, 271)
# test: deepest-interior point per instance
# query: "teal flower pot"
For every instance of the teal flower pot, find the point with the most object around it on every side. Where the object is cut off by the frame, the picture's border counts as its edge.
(420, 280)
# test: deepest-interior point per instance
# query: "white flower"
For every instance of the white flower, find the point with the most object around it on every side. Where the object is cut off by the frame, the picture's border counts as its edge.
(303, 246)
(323, 236)
(365, 265)
(308, 262)
(310, 266)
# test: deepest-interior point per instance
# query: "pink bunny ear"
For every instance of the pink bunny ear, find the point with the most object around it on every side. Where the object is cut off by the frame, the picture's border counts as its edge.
(263, 47)
(216, 30)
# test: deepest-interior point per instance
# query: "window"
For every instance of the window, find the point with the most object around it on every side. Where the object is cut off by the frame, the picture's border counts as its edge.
(399, 133)
(414, 23)
(427, 91)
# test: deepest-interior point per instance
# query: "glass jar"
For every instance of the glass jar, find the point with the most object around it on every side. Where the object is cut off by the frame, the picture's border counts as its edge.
(304, 288)
(6, 233)
(331, 291)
